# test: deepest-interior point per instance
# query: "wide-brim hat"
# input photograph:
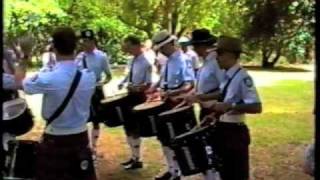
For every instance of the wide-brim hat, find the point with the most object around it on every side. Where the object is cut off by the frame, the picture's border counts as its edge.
(162, 38)
(230, 44)
(184, 41)
(202, 37)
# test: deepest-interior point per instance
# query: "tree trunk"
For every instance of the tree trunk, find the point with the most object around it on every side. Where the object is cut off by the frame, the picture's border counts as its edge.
(265, 58)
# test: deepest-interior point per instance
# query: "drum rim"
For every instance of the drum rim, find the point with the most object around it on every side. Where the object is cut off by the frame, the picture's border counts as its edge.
(174, 110)
(10, 103)
(160, 104)
(109, 99)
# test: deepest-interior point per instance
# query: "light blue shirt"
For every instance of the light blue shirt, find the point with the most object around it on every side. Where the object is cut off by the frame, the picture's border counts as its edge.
(209, 75)
(179, 71)
(97, 61)
(141, 70)
(54, 85)
(8, 81)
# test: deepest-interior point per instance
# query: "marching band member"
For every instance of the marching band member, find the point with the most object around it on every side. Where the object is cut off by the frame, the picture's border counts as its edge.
(138, 79)
(184, 43)
(14, 65)
(209, 76)
(238, 96)
(176, 78)
(97, 61)
(64, 151)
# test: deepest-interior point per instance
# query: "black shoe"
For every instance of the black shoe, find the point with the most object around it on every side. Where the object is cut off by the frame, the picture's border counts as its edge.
(127, 162)
(134, 165)
(167, 176)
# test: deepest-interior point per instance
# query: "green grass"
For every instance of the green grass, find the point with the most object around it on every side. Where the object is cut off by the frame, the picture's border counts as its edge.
(287, 114)
(278, 137)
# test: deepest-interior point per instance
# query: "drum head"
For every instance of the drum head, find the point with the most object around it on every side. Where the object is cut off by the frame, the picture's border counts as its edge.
(113, 98)
(148, 105)
(173, 111)
(14, 108)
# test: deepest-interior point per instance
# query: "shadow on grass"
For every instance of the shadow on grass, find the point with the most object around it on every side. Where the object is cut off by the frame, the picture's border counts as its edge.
(277, 69)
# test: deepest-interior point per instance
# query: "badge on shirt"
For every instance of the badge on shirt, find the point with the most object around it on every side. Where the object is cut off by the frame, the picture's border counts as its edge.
(248, 82)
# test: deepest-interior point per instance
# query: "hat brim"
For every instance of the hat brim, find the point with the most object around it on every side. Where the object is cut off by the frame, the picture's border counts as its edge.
(199, 42)
(158, 46)
(188, 43)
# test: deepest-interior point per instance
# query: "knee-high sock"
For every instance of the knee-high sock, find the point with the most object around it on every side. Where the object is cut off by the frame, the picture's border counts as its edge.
(136, 142)
(211, 174)
(134, 145)
(95, 133)
(172, 164)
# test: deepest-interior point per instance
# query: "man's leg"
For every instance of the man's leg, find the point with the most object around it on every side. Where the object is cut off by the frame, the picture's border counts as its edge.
(173, 172)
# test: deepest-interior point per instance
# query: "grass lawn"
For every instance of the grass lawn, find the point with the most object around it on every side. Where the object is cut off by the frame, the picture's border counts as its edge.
(279, 136)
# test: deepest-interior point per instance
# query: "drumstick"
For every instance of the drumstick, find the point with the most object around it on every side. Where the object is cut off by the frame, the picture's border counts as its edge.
(180, 104)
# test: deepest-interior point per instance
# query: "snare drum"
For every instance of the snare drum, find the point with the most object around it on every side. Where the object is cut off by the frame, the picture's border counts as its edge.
(175, 122)
(20, 161)
(147, 114)
(194, 151)
(113, 110)
(17, 117)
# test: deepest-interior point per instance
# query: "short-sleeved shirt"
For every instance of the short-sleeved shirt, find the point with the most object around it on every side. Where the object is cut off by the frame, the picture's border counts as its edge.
(54, 85)
(240, 90)
(194, 59)
(209, 75)
(176, 71)
(140, 71)
(96, 61)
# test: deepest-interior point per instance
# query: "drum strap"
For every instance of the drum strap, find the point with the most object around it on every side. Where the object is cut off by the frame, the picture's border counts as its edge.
(166, 76)
(131, 71)
(225, 88)
(66, 100)
(84, 62)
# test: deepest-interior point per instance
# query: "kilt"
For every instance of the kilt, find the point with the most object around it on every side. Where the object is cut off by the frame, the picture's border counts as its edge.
(232, 142)
(131, 125)
(95, 107)
(65, 157)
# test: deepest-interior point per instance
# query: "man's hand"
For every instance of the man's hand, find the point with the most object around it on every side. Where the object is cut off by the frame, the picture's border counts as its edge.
(192, 98)
(209, 119)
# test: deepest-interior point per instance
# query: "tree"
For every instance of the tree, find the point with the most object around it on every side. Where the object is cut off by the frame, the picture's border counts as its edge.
(276, 28)
(152, 15)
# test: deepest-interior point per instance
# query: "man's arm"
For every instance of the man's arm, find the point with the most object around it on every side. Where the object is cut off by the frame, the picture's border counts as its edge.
(107, 69)
(210, 96)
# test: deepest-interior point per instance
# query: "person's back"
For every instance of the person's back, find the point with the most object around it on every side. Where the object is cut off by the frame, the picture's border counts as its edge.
(65, 143)
(54, 86)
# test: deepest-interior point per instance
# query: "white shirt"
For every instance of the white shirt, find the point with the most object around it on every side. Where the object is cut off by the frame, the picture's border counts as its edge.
(209, 75)
(54, 85)
(240, 90)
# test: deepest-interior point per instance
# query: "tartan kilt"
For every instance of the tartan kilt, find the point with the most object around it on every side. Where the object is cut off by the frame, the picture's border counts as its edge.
(95, 108)
(130, 124)
(65, 157)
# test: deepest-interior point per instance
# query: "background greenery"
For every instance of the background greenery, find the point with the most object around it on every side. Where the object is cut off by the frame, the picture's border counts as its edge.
(273, 31)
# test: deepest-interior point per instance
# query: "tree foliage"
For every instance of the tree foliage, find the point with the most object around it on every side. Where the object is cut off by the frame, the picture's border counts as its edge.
(269, 28)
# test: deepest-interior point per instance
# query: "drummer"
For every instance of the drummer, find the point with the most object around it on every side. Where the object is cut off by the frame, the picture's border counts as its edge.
(210, 75)
(238, 96)
(14, 66)
(138, 80)
(176, 78)
(97, 61)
